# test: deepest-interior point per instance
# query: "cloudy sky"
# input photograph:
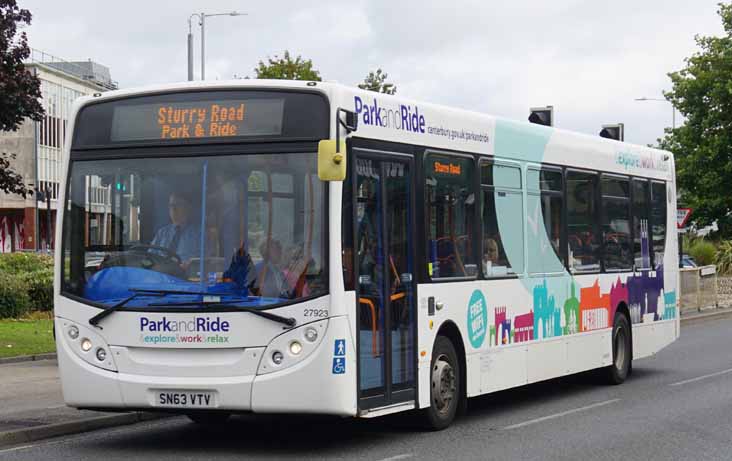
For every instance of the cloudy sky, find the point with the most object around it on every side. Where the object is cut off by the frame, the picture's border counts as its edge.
(589, 59)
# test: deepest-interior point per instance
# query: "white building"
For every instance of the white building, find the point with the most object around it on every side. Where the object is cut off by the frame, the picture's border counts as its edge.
(39, 148)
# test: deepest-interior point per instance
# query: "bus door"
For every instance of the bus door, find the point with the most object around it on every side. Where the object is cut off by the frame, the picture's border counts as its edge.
(384, 231)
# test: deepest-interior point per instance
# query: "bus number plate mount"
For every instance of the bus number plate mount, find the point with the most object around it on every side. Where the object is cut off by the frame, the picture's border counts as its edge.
(184, 399)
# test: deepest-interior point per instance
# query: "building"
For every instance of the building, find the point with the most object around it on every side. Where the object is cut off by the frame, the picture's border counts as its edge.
(24, 222)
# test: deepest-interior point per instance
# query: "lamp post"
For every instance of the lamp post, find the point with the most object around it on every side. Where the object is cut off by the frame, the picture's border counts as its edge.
(673, 116)
(673, 126)
(202, 22)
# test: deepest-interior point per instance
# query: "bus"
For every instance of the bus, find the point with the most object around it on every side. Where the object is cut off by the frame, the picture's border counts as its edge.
(270, 247)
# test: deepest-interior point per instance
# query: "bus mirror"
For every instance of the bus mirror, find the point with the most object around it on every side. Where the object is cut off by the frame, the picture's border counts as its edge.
(331, 164)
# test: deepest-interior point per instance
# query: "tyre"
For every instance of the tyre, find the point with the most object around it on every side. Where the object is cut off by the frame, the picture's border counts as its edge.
(445, 386)
(620, 368)
(209, 419)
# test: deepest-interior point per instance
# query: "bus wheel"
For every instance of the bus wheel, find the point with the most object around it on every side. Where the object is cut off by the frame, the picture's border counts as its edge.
(209, 419)
(619, 369)
(444, 385)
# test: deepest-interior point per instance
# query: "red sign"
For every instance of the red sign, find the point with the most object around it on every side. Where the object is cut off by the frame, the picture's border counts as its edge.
(682, 216)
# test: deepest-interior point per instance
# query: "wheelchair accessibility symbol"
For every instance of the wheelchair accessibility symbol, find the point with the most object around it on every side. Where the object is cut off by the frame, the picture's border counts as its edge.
(339, 365)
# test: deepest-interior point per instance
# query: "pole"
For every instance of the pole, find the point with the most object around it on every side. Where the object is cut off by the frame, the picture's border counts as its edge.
(673, 117)
(36, 186)
(48, 218)
(190, 55)
(203, 46)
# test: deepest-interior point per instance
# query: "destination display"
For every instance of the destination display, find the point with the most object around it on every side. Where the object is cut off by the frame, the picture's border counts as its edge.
(198, 119)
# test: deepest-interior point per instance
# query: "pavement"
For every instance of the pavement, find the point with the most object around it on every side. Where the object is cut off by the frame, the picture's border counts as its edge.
(32, 406)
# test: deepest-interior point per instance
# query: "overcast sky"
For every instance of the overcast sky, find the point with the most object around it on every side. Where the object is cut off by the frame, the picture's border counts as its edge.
(590, 59)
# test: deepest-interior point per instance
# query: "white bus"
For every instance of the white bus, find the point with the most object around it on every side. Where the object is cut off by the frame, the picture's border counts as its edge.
(306, 247)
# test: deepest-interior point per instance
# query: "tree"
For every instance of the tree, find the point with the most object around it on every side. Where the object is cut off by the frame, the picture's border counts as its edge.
(20, 90)
(286, 68)
(376, 81)
(702, 92)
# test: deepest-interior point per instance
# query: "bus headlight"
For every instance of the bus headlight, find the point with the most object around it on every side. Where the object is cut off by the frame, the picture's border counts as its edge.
(101, 354)
(311, 334)
(85, 343)
(292, 347)
(295, 347)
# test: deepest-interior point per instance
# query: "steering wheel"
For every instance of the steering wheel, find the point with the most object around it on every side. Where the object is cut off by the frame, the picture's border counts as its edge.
(150, 257)
(145, 248)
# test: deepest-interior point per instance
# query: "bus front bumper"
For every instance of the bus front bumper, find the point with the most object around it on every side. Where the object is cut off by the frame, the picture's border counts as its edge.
(144, 381)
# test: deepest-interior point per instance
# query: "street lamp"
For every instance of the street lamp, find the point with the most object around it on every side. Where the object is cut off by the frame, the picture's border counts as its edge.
(673, 119)
(202, 22)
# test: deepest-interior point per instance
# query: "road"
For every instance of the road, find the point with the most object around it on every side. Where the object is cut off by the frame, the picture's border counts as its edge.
(676, 405)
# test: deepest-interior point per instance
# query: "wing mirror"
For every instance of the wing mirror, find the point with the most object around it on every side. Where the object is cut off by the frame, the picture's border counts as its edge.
(332, 154)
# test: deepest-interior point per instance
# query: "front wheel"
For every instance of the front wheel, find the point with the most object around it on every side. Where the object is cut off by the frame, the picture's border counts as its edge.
(620, 368)
(445, 385)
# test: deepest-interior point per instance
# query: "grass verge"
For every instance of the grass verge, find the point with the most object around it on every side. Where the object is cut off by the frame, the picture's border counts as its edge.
(27, 336)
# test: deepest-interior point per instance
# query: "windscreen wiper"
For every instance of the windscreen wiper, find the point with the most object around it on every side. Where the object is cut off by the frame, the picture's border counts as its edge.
(136, 292)
(228, 307)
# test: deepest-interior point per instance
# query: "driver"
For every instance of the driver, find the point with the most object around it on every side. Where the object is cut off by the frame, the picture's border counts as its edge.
(180, 237)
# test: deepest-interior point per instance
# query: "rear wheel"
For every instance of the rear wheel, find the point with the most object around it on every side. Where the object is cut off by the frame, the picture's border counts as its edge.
(620, 368)
(445, 385)
(209, 419)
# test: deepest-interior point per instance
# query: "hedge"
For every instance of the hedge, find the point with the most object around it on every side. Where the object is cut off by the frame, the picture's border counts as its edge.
(26, 283)
(14, 298)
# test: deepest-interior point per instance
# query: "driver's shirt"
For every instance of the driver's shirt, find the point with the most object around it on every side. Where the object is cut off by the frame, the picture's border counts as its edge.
(188, 240)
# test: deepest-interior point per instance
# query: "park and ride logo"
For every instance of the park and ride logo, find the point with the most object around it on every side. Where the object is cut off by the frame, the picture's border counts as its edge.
(403, 117)
(198, 330)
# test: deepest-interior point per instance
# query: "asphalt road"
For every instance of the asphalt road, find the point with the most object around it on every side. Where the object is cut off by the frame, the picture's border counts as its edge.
(676, 405)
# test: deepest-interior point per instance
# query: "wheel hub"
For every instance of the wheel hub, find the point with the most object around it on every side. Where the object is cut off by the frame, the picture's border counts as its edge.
(620, 348)
(443, 384)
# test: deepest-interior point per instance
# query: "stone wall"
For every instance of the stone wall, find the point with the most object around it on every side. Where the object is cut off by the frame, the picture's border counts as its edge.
(724, 287)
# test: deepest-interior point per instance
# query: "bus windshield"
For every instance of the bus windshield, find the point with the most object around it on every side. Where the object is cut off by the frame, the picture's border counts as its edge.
(243, 229)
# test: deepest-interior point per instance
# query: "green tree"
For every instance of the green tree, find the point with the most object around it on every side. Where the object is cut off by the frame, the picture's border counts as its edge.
(376, 81)
(702, 92)
(20, 90)
(286, 68)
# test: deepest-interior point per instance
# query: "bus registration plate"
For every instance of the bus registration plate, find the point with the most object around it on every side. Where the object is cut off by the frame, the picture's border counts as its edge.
(184, 399)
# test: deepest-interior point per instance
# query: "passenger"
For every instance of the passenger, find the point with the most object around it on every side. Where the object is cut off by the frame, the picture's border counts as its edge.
(271, 280)
(490, 255)
(241, 272)
(181, 236)
(296, 271)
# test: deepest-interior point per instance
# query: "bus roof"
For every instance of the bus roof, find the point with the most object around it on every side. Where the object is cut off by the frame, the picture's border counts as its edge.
(397, 119)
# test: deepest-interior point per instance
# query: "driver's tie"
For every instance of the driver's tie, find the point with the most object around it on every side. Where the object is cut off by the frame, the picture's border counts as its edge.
(176, 238)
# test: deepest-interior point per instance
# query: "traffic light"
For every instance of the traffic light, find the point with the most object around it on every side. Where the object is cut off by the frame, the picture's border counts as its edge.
(542, 115)
(121, 184)
(615, 131)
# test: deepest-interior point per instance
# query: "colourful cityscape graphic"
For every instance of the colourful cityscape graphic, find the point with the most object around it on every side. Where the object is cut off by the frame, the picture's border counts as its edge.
(585, 310)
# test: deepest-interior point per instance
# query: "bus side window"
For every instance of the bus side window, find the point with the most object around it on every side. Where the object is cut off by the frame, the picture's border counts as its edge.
(658, 221)
(502, 215)
(583, 238)
(641, 236)
(545, 218)
(451, 203)
(616, 223)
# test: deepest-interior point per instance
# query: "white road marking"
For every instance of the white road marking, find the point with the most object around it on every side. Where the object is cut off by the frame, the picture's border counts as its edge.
(699, 378)
(558, 415)
(402, 456)
(16, 449)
